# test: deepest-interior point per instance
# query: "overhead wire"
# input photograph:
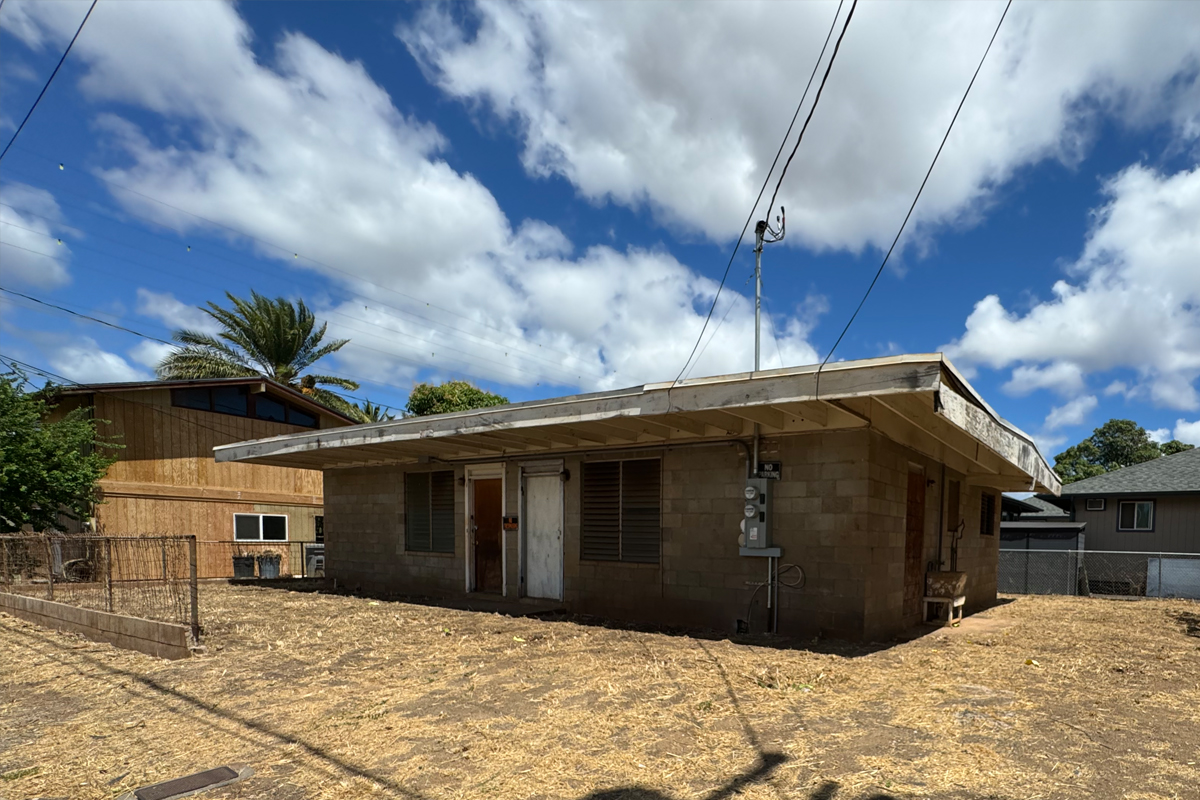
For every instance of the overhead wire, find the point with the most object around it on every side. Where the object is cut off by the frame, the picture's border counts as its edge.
(344, 297)
(483, 363)
(913, 205)
(297, 255)
(42, 93)
(147, 336)
(19, 366)
(766, 181)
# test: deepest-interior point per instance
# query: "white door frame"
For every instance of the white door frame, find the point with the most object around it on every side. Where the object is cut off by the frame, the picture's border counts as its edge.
(483, 472)
(543, 468)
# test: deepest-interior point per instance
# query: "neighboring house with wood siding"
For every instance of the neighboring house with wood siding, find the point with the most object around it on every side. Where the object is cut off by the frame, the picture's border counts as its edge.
(165, 480)
(1149, 507)
(640, 503)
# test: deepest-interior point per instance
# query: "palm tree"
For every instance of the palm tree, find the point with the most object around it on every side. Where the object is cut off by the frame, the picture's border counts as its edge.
(273, 338)
(373, 413)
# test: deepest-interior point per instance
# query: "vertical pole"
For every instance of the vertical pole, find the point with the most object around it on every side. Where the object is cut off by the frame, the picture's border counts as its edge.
(758, 248)
(108, 587)
(1161, 593)
(194, 590)
(49, 569)
(163, 547)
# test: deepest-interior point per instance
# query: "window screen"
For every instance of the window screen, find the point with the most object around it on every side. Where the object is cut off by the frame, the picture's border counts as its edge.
(1137, 515)
(260, 527)
(274, 528)
(429, 512)
(245, 527)
(987, 514)
(622, 519)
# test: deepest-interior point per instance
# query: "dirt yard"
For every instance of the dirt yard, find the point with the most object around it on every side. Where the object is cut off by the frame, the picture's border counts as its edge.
(343, 697)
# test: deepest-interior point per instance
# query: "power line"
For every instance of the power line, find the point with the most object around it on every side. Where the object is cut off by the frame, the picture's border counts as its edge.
(928, 172)
(21, 127)
(85, 316)
(490, 342)
(761, 191)
(481, 363)
(811, 111)
(343, 394)
(296, 254)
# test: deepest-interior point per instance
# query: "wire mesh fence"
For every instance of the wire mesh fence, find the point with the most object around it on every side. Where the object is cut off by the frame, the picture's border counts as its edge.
(152, 577)
(1099, 572)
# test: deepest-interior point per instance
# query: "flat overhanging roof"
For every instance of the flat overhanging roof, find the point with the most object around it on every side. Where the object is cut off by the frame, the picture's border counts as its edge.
(920, 401)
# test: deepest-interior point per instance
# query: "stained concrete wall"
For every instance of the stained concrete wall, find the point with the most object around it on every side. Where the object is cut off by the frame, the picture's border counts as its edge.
(161, 639)
(839, 513)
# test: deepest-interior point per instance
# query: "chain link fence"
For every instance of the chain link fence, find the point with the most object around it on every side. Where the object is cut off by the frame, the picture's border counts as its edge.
(152, 577)
(261, 560)
(1099, 572)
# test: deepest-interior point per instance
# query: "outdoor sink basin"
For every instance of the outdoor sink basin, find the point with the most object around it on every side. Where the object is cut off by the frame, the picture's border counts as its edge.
(945, 584)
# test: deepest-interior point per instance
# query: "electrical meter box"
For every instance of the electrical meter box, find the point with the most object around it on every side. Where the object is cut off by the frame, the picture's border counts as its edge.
(757, 524)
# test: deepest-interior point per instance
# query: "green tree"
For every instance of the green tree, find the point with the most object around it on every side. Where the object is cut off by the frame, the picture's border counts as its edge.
(1115, 444)
(276, 338)
(1174, 446)
(372, 413)
(426, 399)
(46, 468)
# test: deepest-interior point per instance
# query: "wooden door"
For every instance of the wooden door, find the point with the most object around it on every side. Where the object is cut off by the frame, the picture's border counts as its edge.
(914, 544)
(543, 536)
(487, 518)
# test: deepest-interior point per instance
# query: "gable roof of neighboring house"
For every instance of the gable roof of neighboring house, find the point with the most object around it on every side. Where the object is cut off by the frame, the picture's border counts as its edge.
(295, 396)
(1043, 508)
(1163, 475)
(918, 400)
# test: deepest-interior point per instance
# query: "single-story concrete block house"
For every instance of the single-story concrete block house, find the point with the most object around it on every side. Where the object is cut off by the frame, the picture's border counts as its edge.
(644, 504)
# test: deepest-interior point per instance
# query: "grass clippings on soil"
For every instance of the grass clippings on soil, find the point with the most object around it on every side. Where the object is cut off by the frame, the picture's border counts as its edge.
(341, 697)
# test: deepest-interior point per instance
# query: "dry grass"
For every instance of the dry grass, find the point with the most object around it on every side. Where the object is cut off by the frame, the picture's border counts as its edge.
(340, 697)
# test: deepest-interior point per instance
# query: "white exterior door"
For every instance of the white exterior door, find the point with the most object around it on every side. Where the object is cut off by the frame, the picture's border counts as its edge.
(543, 536)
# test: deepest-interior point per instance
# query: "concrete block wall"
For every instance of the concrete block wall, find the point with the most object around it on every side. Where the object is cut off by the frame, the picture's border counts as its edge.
(364, 535)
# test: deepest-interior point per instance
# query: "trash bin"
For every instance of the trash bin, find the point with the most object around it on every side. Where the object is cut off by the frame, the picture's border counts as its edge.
(268, 565)
(243, 566)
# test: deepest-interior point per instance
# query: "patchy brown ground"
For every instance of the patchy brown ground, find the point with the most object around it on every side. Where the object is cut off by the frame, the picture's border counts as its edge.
(341, 697)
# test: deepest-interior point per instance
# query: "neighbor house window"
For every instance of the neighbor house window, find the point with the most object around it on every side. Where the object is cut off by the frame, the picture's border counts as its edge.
(239, 401)
(1137, 515)
(1095, 504)
(429, 512)
(260, 527)
(622, 511)
(987, 514)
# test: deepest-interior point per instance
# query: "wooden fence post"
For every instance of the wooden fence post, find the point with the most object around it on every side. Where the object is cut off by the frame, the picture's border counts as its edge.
(49, 569)
(108, 580)
(194, 589)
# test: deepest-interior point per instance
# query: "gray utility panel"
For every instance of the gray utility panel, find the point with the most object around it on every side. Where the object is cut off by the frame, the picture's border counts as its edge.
(757, 497)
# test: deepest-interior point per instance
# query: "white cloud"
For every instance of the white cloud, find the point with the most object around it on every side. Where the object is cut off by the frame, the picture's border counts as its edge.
(1049, 445)
(309, 151)
(1073, 412)
(1188, 432)
(679, 107)
(31, 227)
(1062, 377)
(1133, 299)
(164, 307)
(1159, 435)
(85, 361)
(150, 354)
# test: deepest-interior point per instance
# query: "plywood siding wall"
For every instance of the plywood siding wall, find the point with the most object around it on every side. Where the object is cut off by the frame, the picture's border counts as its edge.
(173, 446)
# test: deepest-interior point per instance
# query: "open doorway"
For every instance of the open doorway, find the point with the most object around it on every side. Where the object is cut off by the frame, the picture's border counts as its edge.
(486, 522)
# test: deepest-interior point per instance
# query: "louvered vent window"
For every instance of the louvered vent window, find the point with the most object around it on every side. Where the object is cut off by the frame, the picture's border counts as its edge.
(429, 512)
(987, 514)
(622, 511)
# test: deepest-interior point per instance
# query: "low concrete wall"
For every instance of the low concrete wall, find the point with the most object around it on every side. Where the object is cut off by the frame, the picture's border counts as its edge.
(161, 639)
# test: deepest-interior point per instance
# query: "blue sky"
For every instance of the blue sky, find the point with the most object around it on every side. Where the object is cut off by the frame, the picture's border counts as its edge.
(542, 198)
